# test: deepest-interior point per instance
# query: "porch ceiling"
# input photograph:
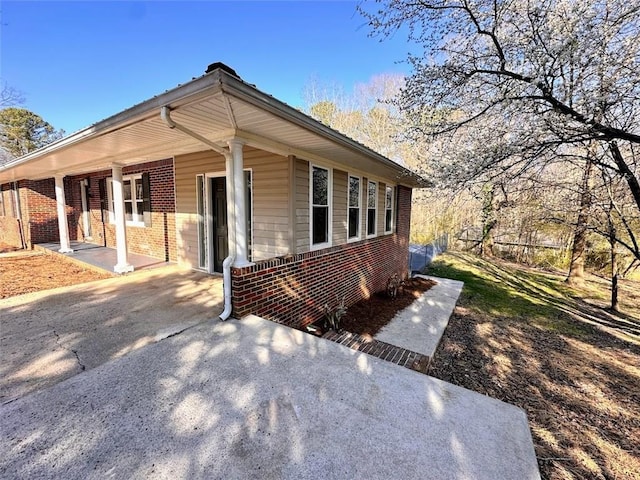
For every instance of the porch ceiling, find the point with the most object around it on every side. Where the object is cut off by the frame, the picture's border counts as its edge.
(218, 106)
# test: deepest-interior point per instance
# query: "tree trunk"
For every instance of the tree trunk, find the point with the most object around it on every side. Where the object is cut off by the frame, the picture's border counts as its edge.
(614, 263)
(488, 221)
(576, 267)
(625, 170)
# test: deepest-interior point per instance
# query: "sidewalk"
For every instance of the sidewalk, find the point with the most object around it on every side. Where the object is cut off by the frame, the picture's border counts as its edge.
(420, 327)
(413, 335)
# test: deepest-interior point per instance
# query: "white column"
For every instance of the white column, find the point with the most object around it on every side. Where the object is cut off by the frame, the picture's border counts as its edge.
(86, 224)
(63, 227)
(240, 201)
(122, 265)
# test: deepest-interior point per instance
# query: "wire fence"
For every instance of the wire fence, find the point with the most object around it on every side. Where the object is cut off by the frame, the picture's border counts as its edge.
(421, 256)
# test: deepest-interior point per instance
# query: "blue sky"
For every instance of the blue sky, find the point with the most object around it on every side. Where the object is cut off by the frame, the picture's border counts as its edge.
(80, 62)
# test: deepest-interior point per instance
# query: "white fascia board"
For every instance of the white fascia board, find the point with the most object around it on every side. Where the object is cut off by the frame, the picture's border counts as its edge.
(202, 86)
(237, 88)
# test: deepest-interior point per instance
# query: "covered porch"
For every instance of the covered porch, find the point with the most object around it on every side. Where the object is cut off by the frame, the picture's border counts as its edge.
(101, 257)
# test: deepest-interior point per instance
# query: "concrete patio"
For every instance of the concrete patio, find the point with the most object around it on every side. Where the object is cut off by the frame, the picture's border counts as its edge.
(102, 257)
(250, 398)
(49, 336)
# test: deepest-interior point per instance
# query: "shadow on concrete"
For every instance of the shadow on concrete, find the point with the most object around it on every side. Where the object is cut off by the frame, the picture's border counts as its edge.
(254, 399)
(49, 336)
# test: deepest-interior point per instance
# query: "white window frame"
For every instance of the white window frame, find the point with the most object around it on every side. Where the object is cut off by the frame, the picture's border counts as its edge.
(134, 200)
(389, 208)
(318, 246)
(375, 208)
(359, 207)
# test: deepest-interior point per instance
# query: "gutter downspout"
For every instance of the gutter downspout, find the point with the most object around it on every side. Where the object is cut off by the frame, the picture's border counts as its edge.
(231, 238)
(165, 114)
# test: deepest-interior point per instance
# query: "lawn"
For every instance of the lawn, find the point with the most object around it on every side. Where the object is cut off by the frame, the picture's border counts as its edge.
(525, 337)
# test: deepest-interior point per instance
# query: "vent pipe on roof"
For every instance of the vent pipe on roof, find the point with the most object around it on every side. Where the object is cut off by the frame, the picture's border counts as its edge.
(223, 67)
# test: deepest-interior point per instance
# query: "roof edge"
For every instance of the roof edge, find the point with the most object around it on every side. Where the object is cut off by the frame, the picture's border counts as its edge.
(182, 94)
(242, 90)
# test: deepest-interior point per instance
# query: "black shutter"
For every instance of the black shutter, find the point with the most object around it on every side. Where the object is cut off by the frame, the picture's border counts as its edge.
(102, 187)
(146, 199)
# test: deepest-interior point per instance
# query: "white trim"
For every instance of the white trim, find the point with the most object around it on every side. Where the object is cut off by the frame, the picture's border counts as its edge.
(250, 255)
(391, 207)
(208, 221)
(201, 229)
(318, 246)
(375, 208)
(349, 207)
(134, 200)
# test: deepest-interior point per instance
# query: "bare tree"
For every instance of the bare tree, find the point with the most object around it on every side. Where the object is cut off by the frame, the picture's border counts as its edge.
(537, 77)
(9, 96)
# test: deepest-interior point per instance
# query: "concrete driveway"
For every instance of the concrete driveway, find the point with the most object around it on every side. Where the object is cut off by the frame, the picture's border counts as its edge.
(47, 337)
(253, 399)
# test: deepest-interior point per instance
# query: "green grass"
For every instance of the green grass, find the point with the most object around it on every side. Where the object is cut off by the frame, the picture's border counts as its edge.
(500, 290)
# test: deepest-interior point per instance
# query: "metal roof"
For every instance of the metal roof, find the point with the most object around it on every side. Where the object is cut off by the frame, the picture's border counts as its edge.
(218, 106)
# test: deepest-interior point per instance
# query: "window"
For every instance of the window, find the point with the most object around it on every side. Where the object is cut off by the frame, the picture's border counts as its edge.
(354, 208)
(136, 196)
(320, 206)
(388, 210)
(2, 211)
(372, 201)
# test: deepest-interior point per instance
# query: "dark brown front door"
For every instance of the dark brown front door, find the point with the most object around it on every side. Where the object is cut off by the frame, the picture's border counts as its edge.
(220, 242)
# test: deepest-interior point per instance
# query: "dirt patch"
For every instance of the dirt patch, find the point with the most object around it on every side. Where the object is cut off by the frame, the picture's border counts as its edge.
(578, 381)
(5, 248)
(367, 317)
(34, 272)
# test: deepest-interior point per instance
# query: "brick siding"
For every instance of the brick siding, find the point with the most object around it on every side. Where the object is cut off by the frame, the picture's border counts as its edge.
(39, 211)
(158, 240)
(41, 208)
(9, 224)
(293, 289)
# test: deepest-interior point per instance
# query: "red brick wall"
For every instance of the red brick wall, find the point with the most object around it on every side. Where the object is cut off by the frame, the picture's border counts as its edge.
(41, 209)
(159, 240)
(292, 290)
(9, 224)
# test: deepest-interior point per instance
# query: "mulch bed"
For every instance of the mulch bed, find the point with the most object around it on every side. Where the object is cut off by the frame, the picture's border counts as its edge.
(367, 317)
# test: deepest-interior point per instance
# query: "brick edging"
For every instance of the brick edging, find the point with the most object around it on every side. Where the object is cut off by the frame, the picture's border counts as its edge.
(382, 350)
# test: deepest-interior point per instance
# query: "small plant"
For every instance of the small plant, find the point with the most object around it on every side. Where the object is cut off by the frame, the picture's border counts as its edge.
(332, 315)
(395, 286)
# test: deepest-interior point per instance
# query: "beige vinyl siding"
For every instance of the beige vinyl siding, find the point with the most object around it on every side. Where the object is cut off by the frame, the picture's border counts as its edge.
(270, 203)
(382, 188)
(339, 207)
(186, 169)
(302, 205)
